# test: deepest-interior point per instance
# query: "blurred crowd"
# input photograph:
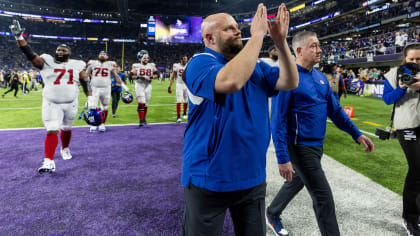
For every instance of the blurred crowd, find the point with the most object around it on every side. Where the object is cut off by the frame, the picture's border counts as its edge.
(163, 55)
(384, 42)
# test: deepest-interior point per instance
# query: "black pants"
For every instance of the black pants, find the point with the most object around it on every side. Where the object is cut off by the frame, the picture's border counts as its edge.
(205, 211)
(13, 87)
(410, 143)
(116, 95)
(307, 164)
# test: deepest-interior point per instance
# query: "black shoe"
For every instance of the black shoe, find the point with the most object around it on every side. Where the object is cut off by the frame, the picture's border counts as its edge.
(412, 228)
(142, 123)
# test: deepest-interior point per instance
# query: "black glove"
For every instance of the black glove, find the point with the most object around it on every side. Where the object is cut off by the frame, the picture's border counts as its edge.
(169, 90)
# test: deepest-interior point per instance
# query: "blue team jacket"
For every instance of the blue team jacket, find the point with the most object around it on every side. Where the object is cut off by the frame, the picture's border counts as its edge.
(300, 116)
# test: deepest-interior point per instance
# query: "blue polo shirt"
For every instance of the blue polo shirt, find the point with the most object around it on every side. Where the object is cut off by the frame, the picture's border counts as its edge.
(227, 135)
(299, 116)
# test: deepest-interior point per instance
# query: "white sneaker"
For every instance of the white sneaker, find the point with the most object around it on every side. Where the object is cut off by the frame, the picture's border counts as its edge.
(184, 117)
(92, 129)
(178, 120)
(65, 153)
(102, 128)
(48, 166)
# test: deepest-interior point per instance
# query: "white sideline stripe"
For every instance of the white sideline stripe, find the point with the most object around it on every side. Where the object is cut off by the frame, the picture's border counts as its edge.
(364, 132)
(84, 99)
(32, 108)
(81, 126)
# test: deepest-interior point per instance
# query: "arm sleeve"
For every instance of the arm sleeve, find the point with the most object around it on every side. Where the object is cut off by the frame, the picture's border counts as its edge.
(336, 113)
(392, 95)
(279, 113)
(200, 76)
(271, 75)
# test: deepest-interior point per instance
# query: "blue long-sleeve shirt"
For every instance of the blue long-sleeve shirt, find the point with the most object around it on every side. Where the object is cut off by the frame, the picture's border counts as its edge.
(300, 116)
(392, 95)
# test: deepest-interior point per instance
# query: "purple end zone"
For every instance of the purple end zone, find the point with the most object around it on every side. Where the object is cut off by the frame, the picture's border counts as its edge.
(125, 181)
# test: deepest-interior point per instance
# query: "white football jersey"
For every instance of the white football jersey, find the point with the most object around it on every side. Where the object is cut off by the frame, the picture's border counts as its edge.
(143, 71)
(179, 69)
(61, 79)
(101, 73)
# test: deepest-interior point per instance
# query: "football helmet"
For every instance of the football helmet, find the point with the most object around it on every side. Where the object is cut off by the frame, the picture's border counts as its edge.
(94, 117)
(141, 53)
(127, 97)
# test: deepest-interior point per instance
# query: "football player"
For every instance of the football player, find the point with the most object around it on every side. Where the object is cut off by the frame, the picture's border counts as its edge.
(100, 72)
(60, 101)
(181, 88)
(143, 73)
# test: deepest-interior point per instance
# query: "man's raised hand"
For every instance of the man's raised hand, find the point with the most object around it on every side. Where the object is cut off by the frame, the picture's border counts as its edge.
(279, 30)
(259, 22)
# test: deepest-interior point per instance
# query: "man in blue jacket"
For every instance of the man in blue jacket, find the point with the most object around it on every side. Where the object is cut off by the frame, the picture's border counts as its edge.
(116, 90)
(228, 132)
(298, 124)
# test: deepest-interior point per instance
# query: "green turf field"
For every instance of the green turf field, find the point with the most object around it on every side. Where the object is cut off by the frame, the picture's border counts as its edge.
(386, 165)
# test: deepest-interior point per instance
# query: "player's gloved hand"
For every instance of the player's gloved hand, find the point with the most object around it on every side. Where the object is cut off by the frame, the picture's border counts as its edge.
(169, 90)
(90, 103)
(17, 31)
(125, 87)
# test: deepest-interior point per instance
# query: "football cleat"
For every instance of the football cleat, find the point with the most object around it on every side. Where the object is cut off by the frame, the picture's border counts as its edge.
(113, 115)
(142, 123)
(178, 120)
(48, 166)
(92, 129)
(65, 153)
(184, 116)
(102, 128)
